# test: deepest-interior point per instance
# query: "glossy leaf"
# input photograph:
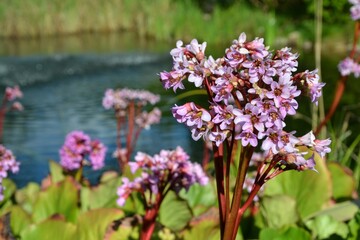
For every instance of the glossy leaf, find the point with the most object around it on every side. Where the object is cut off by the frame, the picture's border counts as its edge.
(204, 229)
(279, 211)
(56, 172)
(200, 198)
(102, 195)
(19, 220)
(92, 225)
(26, 196)
(354, 227)
(343, 211)
(293, 233)
(54, 229)
(174, 212)
(311, 191)
(324, 226)
(343, 181)
(61, 198)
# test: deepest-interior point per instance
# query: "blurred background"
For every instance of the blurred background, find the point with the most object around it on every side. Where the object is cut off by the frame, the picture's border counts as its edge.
(64, 54)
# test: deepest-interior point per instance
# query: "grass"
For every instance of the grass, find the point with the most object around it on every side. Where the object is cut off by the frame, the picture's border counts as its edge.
(162, 20)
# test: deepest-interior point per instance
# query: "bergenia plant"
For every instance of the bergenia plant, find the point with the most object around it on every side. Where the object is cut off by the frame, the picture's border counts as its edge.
(159, 174)
(9, 103)
(347, 67)
(77, 148)
(8, 163)
(251, 91)
(129, 106)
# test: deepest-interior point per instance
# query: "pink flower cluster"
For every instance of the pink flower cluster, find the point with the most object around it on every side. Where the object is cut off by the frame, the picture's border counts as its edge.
(120, 99)
(7, 163)
(76, 147)
(11, 94)
(251, 91)
(349, 66)
(168, 170)
(355, 9)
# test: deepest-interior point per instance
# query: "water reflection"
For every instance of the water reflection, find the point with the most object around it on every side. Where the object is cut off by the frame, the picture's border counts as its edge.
(63, 92)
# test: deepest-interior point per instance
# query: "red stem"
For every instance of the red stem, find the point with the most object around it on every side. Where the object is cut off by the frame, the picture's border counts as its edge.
(131, 121)
(219, 175)
(340, 85)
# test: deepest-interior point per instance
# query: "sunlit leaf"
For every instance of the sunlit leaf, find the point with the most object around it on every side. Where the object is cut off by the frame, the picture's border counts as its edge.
(19, 220)
(343, 181)
(343, 211)
(54, 229)
(293, 233)
(92, 225)
(205, 229)
(56, 172)
(312, 191)
(200, 198)
(279, 211)
(26, 196)
(324, 226)
(174, 212)
(354, 227)
(60, 198)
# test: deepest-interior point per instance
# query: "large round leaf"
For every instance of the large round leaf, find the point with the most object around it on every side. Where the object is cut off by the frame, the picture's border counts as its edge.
(19, 220)
(343, 181)
(279, 211)
(92, 225)
(174, 212)
(54, 229)
(311, 190)
(26, 196)
(291, 233)
(60, 198)
(200, 198)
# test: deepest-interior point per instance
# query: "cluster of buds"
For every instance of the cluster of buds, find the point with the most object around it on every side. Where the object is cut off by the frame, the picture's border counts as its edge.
(131, 116)
(7, 163)
(251, 91)
(76, 147)
(355, 9)
(168, 170)
(11, 94)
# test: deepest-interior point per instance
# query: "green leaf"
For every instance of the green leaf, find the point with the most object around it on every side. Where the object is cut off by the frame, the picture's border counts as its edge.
(174, 212)
(343, 181)
(54, 229)
(279, 211)
(343, 211)
(205, 229)
(56, 172)
(92, 225)
(9, 189)
(124, 232)
(200, 198)
(311, 190)
(108, 175)
(19, 220)
(26, 196)
(95, 197)
(293, 233)
(61, 198)
(324, 226)
(354, 227)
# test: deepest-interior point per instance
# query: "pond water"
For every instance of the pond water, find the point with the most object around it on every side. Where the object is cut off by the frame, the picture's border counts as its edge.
(64, 80)
(63, 92)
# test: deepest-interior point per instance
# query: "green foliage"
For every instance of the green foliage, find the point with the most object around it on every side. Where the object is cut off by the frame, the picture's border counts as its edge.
(344, 185)
(175, 212)
(293, 233)
(324, 226)
(311, 190)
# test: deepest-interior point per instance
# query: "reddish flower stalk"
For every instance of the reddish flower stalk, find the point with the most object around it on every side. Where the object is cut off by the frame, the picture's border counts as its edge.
(341, 83)
(250, 92)
(131, 118)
